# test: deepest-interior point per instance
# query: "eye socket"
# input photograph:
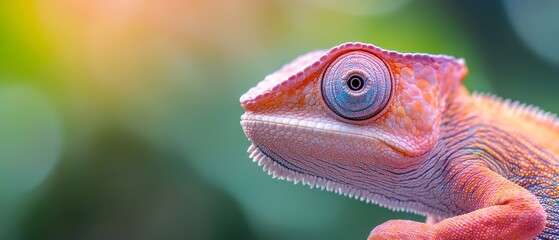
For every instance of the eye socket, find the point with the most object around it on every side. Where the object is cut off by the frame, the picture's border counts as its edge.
(357, 85)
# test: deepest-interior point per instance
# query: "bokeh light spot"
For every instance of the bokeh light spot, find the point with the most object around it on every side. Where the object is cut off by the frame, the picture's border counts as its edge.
(536, 24)
(30, 140)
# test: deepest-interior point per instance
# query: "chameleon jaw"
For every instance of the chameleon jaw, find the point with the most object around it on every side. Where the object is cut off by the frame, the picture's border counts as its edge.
(281, 166)
(252, 120)
(279, 171)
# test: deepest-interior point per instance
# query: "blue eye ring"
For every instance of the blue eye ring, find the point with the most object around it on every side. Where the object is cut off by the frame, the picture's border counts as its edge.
(357, 86)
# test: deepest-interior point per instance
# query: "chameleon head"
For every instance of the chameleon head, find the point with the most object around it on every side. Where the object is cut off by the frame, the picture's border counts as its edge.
(354, 108)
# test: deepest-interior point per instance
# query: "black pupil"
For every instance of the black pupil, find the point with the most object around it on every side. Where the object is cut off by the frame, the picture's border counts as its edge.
(355, 83)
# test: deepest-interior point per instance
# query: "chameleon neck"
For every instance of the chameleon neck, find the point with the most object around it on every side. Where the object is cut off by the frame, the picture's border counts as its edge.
(504, 150)
(467, 140)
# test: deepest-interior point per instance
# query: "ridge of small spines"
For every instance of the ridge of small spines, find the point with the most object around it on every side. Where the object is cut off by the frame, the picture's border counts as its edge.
(390, 53)
(520, 109)
(282, 173)
(309, 69)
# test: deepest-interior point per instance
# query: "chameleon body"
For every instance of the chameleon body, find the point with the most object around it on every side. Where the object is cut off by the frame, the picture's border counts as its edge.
(401, 131)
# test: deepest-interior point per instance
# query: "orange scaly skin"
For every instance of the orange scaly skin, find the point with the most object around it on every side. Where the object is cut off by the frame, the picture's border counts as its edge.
(400, 130)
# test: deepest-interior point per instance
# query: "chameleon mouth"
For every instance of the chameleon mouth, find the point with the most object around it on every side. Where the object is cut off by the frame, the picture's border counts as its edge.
(249, 121)
(284, 167)
(278, 167)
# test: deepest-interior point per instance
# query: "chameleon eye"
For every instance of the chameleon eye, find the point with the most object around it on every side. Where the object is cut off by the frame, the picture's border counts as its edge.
(356, 85)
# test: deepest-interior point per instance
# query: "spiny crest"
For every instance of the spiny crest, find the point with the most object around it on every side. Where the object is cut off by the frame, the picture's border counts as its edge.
(520, 109)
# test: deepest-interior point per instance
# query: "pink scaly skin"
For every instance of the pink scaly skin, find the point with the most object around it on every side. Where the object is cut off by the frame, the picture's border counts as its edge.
(401, 130)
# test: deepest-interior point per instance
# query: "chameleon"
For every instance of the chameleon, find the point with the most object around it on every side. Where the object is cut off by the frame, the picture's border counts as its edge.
(402, 131)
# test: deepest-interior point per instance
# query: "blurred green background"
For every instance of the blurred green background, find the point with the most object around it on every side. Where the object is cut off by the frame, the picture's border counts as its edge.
(120, 119)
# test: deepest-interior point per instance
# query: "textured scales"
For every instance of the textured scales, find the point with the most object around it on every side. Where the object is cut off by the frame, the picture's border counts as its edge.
(477, 166)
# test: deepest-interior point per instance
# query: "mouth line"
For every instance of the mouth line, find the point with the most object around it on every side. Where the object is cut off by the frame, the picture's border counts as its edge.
(247, 120)
(303, 124)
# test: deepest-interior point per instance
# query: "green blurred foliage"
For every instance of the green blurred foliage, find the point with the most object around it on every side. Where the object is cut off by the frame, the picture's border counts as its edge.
(124, 191)
(120, 119)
